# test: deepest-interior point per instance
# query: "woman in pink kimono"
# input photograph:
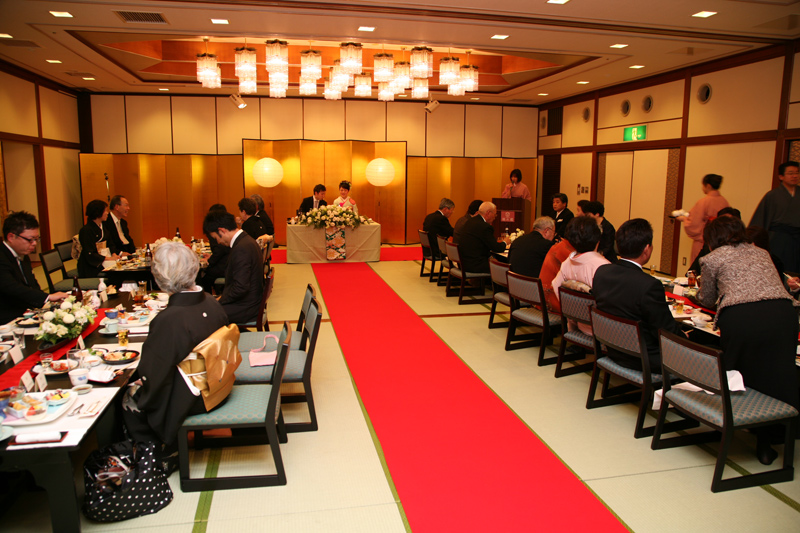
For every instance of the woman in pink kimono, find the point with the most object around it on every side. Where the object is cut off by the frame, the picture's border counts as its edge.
(704, 211)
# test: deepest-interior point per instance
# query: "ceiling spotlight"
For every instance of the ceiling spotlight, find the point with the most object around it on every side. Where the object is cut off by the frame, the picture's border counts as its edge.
(620, 45)
(219, 21)
(61, 14)
(636, 66)
(544, 94)
(432, 105)
(704, 14)
(500, 37)
(238, 101)
(55, 61)
(163, 89)
(366, 28)
(583, 83)
(5, 36)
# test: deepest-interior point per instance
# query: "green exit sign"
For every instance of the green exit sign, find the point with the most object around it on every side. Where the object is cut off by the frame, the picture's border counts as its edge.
(635, 133)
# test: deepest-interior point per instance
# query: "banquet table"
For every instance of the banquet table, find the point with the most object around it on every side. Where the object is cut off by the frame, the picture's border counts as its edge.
(305, 244)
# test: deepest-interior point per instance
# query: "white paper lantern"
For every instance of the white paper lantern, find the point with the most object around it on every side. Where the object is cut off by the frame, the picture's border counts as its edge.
(380, 172)
(267, 172)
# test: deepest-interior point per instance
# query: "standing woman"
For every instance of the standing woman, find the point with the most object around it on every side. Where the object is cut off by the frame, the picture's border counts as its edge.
(757, 320)
(344, 199)
(90, 262)
(516, 189)
(706, 208)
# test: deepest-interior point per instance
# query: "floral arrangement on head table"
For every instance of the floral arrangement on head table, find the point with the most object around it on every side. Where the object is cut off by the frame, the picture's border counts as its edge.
(332, 216)
(66, 321)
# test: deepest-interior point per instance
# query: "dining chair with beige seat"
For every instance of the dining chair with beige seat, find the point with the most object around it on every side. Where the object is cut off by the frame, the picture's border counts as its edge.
(52, 264)
(498, 271)
(457, 272)
(444, 262)
(428, 255)
(529, 308)
(575, 306)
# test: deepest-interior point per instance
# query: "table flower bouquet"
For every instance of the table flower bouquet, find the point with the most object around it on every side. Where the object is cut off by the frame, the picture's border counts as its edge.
(514, 235)
(65, 322)
(332, 216)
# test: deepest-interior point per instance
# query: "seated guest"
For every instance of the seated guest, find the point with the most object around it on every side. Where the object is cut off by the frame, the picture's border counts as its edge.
(477, 240)
(596, 210)
(584, 234)
(438, 223)
(344, 199)
(516, 189)
(160, 399)
(551, 266)
(19, 289)
(561, 214)
(756, 318)
(116, 227)
(527, 253)
(244, 276)
(579, 207)
(90, 262)
(623, 289)
(472, 210)
(315, 201)
(250, 222)
(696, 266)
(217, 259)
(261, 214)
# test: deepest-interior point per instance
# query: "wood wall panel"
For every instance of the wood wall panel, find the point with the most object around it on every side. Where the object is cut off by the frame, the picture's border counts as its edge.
(416, 196)
(108, 124)
(230, 181)
(153, 190)
(393, 196)
(667, 104)
(194, 125)
(576, 130)
(312, 171)
(63, 192)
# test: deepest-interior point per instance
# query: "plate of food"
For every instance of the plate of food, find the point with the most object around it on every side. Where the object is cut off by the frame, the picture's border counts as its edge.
(62, 366)
(31, 322)
(34, 412)
(120, 357)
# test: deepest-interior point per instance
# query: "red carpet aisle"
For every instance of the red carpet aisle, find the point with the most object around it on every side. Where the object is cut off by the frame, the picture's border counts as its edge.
(401, 253)
(460, 459)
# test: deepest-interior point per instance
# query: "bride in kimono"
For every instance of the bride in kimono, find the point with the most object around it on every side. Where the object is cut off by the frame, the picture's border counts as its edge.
(344, 199)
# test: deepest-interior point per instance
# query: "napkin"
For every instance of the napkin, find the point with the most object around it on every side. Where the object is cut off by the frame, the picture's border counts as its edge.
(735, 383)
(260, 357)
(104, 376)
(45, 436)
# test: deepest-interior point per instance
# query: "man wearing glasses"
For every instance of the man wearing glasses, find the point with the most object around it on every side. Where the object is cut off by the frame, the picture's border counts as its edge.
(19, 289)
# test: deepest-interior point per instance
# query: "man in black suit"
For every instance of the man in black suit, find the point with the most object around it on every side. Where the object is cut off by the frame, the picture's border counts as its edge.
(250, 222)
(527, 253)
(244, 276)
(624, 290)
(19, 289)
(116, 227)
(597, 210)
(261, 214)
(438, 223)
(562, 215)
(315, 201)
(477, 240)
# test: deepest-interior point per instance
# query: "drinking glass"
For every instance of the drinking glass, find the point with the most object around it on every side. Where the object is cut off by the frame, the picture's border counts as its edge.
(46, 359)
(75, 358)
(19, 337)
(122, 334)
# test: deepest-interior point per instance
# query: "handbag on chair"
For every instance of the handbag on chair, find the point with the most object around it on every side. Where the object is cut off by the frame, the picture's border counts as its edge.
(210, 368)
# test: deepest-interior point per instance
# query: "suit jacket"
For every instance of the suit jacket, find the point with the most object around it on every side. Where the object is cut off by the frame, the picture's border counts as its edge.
(268, 225)
(308, 204)
(164, 397)
(527, 254)
(90, 262)
(562, 220)
(624, 290)
(477, 244)
(244, 280)
(437, 224)
(113, 239)
(217, 265)
(17, 292)
(254, 227)
(607, 240)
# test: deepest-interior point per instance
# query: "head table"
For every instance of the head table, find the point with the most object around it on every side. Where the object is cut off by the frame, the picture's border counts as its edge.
(305, 244)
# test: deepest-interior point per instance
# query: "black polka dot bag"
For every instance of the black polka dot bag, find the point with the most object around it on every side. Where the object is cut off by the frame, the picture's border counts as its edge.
(124, 481)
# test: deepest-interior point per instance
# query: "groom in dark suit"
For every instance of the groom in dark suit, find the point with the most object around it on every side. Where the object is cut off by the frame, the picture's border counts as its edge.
(19, 289)
(438, 223)
(625, 290)
(244, 276)
(477, 240)
(315, 201)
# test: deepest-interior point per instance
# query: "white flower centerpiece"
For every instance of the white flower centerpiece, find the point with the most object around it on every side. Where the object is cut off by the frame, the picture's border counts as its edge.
(332, 216)
(516, 234)
(65, 322)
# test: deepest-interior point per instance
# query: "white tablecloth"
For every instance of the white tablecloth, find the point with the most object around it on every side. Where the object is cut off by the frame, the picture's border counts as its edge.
(305, 244)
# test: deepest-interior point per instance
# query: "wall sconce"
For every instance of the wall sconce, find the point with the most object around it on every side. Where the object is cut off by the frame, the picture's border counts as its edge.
(267, 172)
(380, 172)
(238, 101)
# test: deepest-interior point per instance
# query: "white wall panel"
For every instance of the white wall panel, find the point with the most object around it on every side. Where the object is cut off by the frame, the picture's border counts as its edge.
(18, 106)
(59, 115)
(656, 131)
(617, 191)
(576, 170)
(648, 193)
(281, 119)
(576, 131)
(520, 127)
(550, 142)
(483, 131)
(365, 120)
(20, 174)
(149, 124)
(743, 99)
(234, 124)
(445, 131)
(108, 124)
(63, 192)
(667, 104)
(323, 120)
(406, 122)
(194, 124)
(794, 94)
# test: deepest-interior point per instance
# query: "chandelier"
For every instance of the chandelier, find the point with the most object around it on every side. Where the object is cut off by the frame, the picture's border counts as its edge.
(331, 91)
(385, 92)
(308, 86)
(363, 85)
(421, 62)
(449, 70)
(383, 67)
(350, 57)
(420, 88)
(277, 56)
(311, 65)
(245, 60)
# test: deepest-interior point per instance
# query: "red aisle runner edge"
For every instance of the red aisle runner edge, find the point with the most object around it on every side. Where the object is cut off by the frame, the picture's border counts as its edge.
(460, 459)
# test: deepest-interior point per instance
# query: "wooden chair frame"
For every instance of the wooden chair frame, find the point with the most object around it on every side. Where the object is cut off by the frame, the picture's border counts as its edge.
(463, 290)
(519, 301)
(444, 261)
(585, 301)
(427, 254)
(498, 270)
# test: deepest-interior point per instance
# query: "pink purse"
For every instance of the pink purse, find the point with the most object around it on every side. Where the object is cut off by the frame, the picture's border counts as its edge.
(261, 357)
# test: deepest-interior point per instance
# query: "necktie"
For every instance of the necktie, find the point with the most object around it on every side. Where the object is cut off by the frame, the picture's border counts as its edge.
(316, 203)
(24, 277)
(121, 233)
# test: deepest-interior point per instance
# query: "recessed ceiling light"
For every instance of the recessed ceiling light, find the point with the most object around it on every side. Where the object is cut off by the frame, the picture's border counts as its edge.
(583, 83)
(366, 28)
(61, 14)
(544, 94)
(704, 14)
(557, 1)
(162, 89)
(5, 36)
(500, 37)
(473, 98)
(53, 61)
(618, 46)
(402, 96)
(89, 79)
(219, 21)
(636, 66)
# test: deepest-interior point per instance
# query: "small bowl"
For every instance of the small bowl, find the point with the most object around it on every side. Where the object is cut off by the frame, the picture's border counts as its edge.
(28, 314)
(64, 396)
(20, 412)
(82, 389)
(163, 297)
(701, 319)
(36, 413)
(92, 360)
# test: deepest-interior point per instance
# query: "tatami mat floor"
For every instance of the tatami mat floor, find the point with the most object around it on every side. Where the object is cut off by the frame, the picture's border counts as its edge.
(337, 481)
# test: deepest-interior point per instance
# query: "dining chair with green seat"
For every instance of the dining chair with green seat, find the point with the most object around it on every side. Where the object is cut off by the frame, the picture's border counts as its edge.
(52, 264)
(298, 367)
(444, 262)
(498, 271)
(457, 272)
(248, 407)
(722, 410)
(575, 306)
(65, 251)
(528, 308)
(428, 255)
(261, 321)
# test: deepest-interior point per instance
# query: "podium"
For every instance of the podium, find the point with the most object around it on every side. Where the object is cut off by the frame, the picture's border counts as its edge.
(512, 213)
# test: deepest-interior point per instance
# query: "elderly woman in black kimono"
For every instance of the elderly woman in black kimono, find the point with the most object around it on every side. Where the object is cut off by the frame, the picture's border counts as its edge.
(160, 399)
